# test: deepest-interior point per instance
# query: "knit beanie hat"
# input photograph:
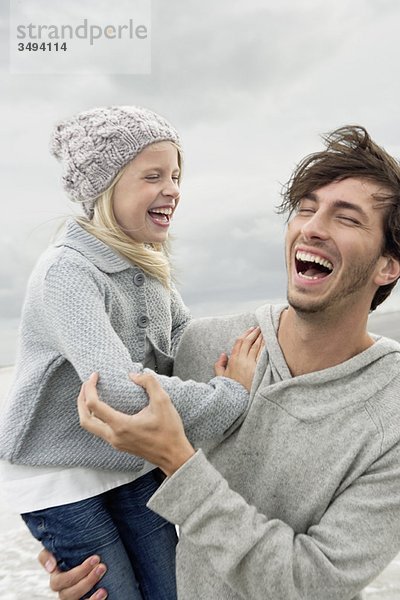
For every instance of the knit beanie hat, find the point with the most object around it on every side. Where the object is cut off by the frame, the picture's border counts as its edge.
(94, 145)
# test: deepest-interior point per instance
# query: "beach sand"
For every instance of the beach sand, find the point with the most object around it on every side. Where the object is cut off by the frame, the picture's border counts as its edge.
(21, 577)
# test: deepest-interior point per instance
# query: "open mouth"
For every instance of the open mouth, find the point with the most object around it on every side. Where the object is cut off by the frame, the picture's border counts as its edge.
(161, 216)
(312, 266)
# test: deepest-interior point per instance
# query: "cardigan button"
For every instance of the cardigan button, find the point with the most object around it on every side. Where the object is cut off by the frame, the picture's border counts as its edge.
(138, 279)
(143, 321)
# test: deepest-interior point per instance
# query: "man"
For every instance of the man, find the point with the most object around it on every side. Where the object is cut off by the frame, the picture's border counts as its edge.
(301, 499)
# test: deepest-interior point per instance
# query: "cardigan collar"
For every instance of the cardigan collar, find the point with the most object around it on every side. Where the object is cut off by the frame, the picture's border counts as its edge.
(101, 255)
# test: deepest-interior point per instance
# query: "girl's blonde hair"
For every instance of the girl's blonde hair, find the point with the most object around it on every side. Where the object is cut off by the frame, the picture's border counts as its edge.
(152, 258)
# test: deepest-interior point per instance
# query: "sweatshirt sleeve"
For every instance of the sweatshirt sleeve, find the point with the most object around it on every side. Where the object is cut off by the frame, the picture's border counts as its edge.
(357, 536)
(79, 326)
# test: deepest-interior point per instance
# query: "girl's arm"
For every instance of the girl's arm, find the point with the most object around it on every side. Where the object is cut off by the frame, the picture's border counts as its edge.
(75, 303)
(180, 318)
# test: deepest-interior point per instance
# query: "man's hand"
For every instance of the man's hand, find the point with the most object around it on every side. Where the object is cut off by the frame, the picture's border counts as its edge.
(77, 582)
(241, 365)
(156, 433)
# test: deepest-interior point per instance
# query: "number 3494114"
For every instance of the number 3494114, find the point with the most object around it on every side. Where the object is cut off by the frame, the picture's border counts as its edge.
(44, 46)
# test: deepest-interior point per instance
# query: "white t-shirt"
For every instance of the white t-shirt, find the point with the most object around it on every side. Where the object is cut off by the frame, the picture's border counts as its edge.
(26, 489)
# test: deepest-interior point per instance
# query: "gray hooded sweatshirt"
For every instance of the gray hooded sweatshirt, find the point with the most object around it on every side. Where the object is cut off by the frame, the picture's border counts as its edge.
(302, 500)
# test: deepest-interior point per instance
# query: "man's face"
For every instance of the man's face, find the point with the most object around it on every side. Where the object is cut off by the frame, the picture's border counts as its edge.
(334, 246)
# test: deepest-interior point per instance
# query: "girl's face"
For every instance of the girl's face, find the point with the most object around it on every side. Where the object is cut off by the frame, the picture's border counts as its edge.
(147, 194)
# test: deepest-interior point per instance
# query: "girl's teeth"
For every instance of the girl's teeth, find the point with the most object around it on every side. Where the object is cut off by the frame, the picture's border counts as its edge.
(160, 217)
(162, 211)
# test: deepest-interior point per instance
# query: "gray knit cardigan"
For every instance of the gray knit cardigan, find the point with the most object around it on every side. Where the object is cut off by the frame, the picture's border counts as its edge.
(88, 309)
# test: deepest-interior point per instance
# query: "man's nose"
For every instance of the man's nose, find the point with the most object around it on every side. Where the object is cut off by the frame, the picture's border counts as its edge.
(316, 227)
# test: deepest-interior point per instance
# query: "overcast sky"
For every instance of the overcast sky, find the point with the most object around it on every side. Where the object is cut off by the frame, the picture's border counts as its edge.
(250, 86)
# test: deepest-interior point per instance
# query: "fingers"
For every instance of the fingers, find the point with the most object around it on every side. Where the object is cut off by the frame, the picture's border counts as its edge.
(90, 384)
(220, 365)
(262, 346)
(153, 388)
(47, 561)
(84, 412)
(245, 342)
(98, 423)
(237, 347)
(100, 409)
(252, 337)
(88, 390)
(93, 425)
(89, 394)
(99, 595)
(77, 582)
(81, 583)
(90, 405)
(254, 349)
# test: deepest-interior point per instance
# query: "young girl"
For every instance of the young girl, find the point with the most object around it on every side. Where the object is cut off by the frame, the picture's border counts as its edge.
(101, 299)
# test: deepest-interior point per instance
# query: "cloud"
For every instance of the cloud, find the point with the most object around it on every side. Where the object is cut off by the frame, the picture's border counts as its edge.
(225, 263)
(13, 276)
(250, 85)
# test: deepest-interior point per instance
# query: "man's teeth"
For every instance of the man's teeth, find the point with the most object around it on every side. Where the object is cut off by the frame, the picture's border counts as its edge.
(304, 276)
(313, 258)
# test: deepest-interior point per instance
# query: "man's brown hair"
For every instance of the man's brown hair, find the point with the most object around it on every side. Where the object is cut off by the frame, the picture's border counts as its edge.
(350, 152)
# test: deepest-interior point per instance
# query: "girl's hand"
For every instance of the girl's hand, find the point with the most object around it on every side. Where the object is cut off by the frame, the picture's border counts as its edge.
(242, 362)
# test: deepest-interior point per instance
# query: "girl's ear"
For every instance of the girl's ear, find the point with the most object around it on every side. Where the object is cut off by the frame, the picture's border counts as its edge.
(388, 270)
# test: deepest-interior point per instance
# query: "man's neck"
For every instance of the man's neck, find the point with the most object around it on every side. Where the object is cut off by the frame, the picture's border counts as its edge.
(314, 342)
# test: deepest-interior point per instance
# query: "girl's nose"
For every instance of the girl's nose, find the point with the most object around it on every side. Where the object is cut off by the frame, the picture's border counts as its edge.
(171, 189)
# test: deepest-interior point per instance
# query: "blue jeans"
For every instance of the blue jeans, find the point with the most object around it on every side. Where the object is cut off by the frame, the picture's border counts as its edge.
(137, 545)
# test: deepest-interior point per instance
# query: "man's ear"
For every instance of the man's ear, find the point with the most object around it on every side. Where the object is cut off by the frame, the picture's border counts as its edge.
(388, 270)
